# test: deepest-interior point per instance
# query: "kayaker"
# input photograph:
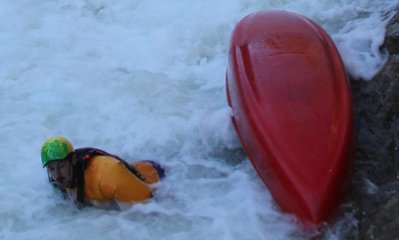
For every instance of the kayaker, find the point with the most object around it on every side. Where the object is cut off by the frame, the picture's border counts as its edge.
(91, 176)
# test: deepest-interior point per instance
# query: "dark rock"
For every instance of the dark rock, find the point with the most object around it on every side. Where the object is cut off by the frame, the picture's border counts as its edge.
(372, 208)
(384, 223)
(392, 39)
(374, 194)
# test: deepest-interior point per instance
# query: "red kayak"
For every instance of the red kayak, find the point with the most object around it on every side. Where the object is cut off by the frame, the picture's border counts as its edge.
(292, 109)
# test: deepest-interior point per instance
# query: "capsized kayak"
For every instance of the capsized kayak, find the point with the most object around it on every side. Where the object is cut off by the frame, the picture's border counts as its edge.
(292, 109)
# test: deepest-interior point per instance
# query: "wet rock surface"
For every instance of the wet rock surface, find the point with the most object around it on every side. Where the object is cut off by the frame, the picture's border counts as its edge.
(374, 194)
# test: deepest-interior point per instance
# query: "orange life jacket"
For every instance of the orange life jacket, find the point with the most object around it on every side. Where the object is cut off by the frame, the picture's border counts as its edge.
(146, 171)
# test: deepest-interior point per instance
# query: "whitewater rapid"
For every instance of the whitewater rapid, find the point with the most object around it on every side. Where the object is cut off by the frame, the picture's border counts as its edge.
(146, 80)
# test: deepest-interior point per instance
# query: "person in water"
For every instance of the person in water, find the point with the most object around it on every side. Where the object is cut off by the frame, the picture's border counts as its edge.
(93, 177)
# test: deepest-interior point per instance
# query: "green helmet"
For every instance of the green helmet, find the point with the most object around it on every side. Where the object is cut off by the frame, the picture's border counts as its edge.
(55, 148)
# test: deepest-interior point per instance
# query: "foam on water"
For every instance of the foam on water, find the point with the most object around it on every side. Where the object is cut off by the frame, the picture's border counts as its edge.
(145, 80)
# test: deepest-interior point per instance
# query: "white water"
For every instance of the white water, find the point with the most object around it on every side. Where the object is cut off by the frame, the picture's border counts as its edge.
(145, 79)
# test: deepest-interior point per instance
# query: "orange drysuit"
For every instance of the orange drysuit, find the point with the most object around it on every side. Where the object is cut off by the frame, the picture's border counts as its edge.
(107, 181)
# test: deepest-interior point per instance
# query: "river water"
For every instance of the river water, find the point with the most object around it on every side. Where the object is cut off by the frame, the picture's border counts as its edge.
(144, 79)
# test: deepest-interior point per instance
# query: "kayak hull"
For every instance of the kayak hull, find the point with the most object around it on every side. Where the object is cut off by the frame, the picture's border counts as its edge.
(292, 110)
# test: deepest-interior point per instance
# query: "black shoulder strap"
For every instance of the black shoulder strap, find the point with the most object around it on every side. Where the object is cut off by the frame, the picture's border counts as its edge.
(84, 155)
(79, 180)
(89, 152)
